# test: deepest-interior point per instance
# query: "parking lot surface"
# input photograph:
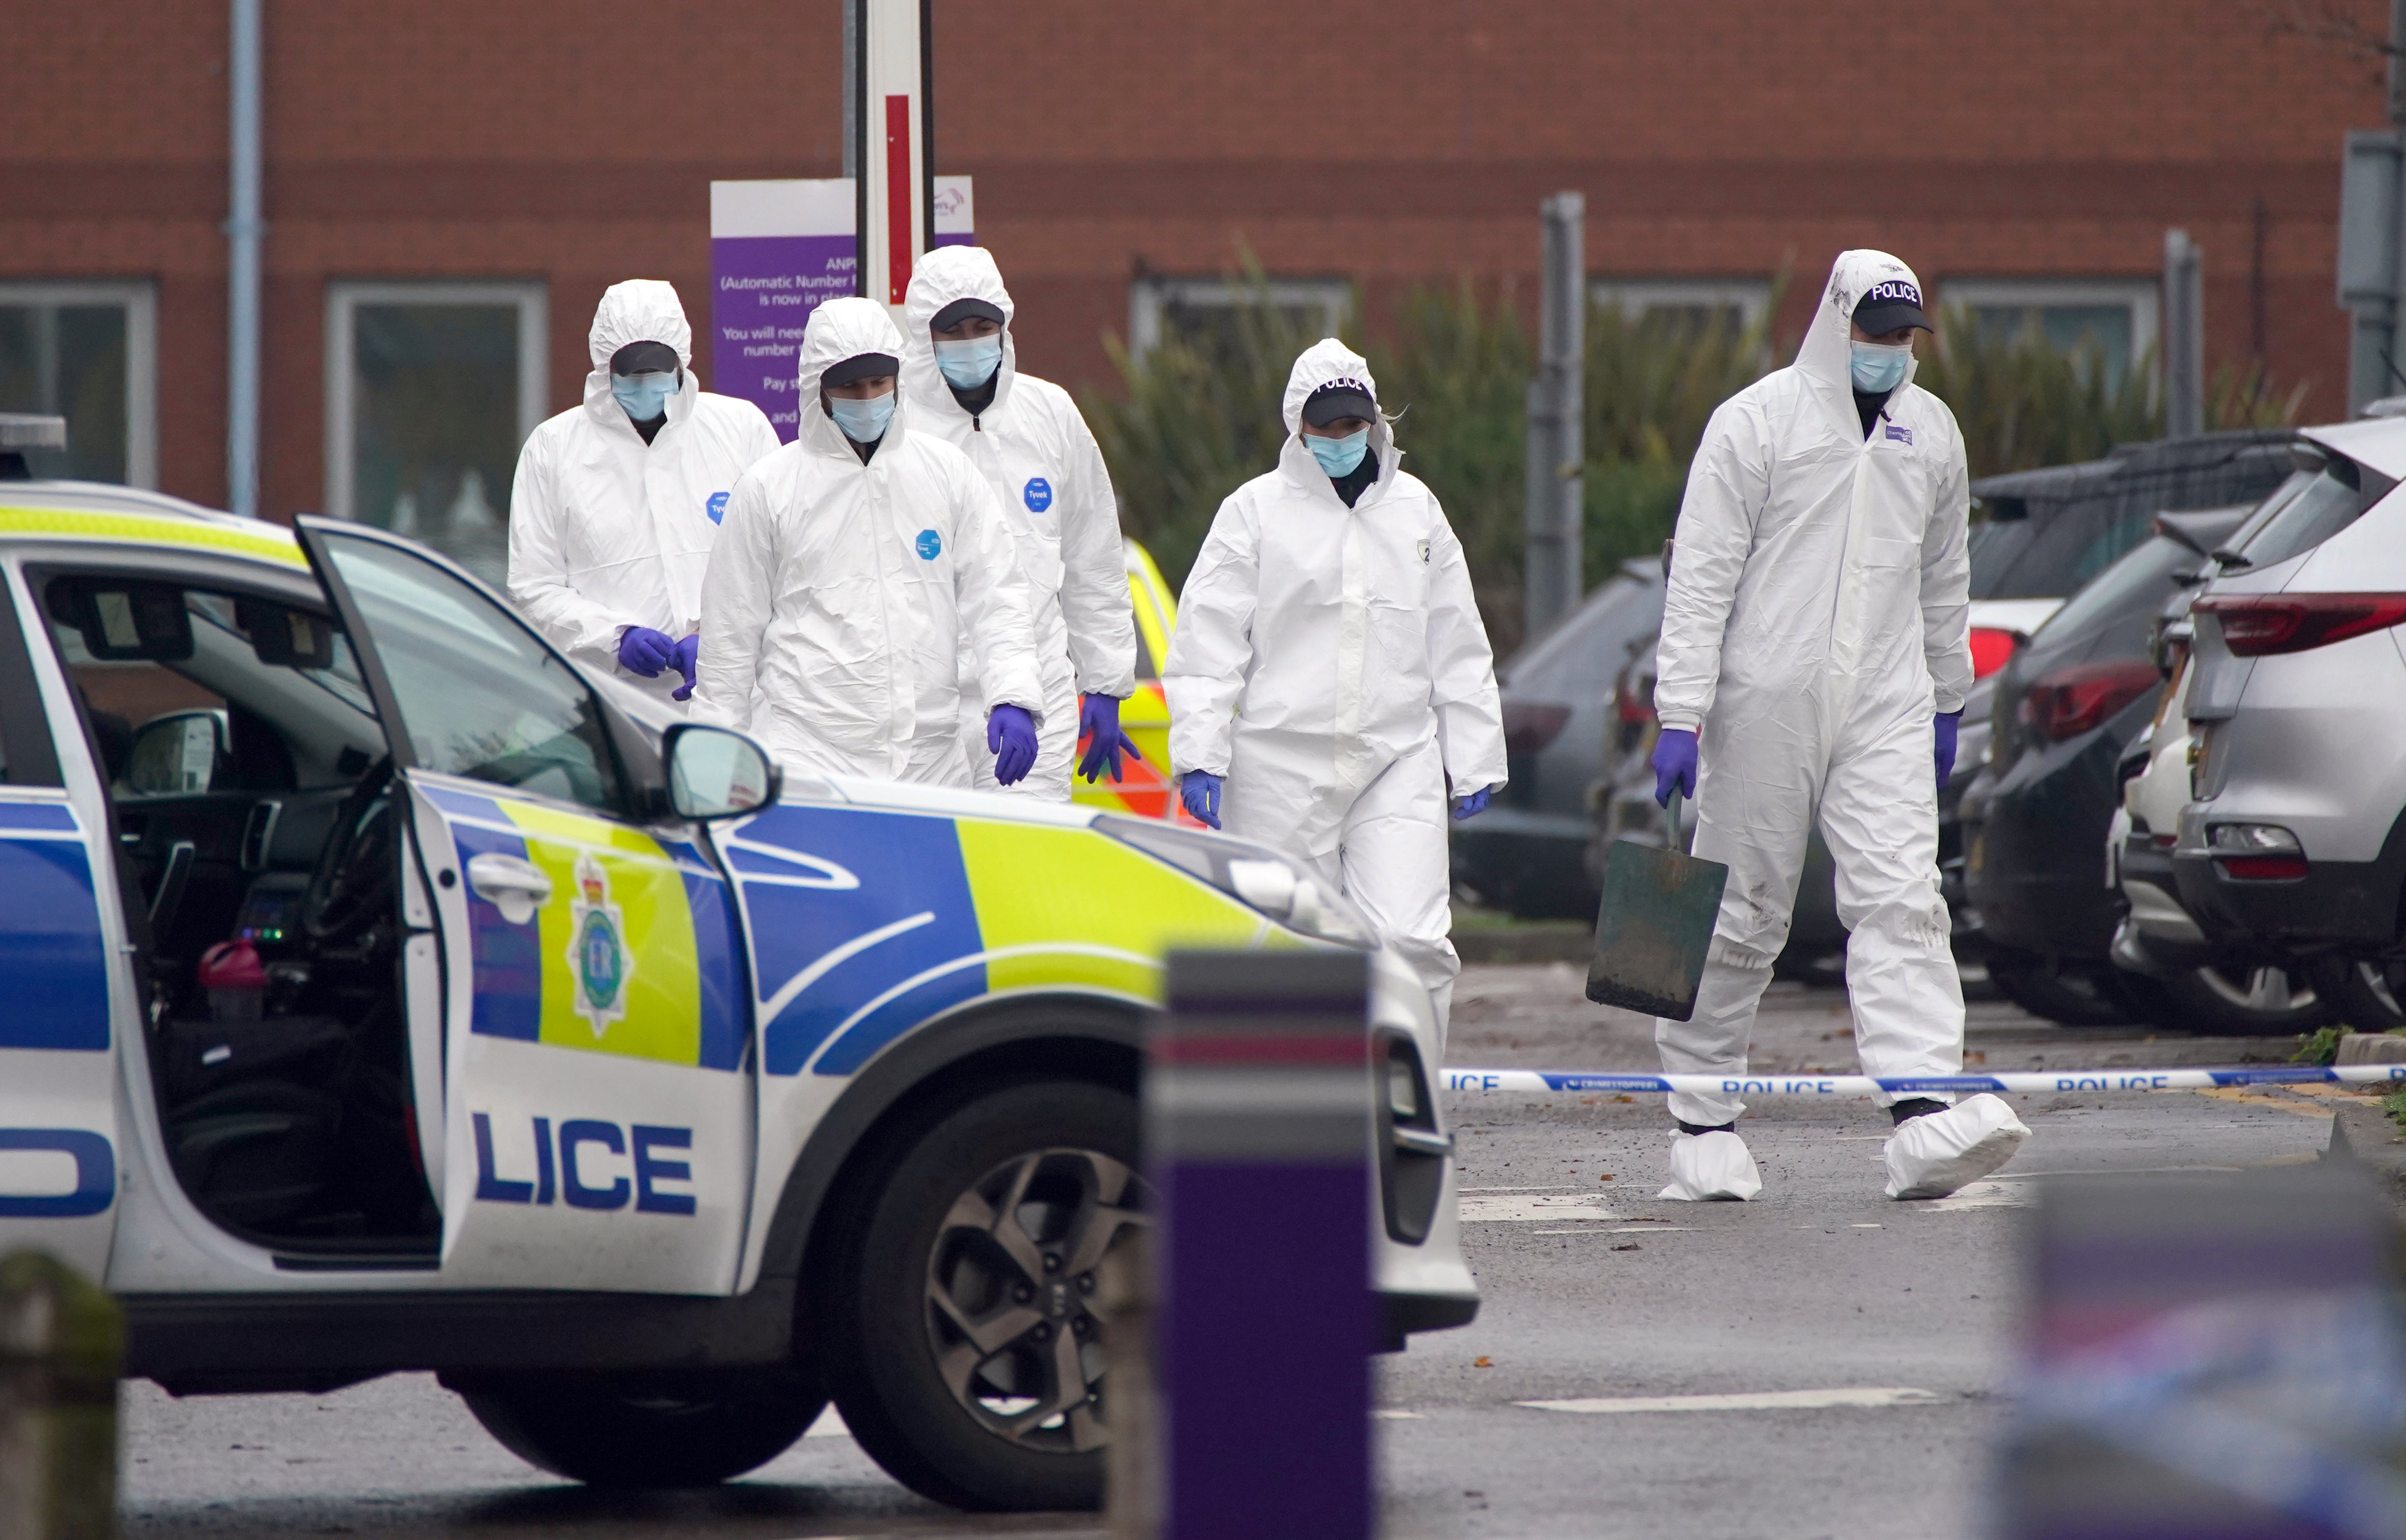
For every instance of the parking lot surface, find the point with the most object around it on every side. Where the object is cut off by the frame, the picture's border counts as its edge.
(1822, 1361)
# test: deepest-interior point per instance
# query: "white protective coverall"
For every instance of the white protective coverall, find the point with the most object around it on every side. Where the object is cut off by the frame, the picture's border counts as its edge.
(607, 532)
(1038, 453)
(1330, 663)
(1817, 618)
(845, 590)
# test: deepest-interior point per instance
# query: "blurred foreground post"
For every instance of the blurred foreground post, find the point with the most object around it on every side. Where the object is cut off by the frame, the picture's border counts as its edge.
(1257, 1137)
(2213, 1356)
(1132, 1469)
(61, 1342)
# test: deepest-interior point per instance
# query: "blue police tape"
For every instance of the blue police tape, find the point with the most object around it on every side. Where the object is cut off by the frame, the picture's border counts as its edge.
(2023, 1084)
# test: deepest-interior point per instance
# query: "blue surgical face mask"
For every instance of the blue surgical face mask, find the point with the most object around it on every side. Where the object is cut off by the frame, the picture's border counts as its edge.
(1339, 457)
(972, 362)
(862, 421)
(1879, 367)
(645, 396)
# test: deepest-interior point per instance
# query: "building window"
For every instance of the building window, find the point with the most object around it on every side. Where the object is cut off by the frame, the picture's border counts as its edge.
(431, 388)
(1202, 312)
(2116, 317)
(88, 352)
(1691, 305)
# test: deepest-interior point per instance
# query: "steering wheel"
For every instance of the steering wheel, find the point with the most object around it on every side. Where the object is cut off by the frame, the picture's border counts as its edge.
(353, 880)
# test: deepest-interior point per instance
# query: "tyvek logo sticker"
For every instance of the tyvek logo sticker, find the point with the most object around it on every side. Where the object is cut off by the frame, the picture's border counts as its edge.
(716, 507)
(930, 545)
(1902, 435)
(1039, 493)
(598, 960)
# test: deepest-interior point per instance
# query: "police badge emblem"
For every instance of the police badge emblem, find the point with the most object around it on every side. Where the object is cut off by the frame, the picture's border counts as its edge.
(598, 958)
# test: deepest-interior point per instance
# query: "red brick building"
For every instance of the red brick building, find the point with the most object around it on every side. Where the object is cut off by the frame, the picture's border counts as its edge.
(2024, 155)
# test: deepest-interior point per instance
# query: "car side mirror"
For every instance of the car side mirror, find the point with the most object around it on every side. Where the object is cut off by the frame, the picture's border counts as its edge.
(717, 773)
(178, 753)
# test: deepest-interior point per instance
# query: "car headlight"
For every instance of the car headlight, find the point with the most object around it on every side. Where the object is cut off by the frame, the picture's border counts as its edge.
(1254, 875)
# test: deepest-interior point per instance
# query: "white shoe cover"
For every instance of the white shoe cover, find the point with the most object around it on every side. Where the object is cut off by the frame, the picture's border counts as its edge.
(1711, 1165)
(1929, 1157)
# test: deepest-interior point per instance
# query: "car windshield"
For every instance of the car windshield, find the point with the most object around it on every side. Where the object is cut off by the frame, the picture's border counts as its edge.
(1579, 658)
(2307, 509)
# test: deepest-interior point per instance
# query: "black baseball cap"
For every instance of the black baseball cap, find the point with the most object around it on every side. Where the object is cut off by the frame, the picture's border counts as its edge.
(860, 366)
(963, 310)
(1339, 398)
(1889, 305)
(641, 358)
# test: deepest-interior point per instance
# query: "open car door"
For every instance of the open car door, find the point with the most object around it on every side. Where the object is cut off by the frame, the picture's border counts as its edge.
(598, 1110)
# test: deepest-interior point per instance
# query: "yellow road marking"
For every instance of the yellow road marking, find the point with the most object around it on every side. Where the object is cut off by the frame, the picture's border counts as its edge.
(2260, 1096)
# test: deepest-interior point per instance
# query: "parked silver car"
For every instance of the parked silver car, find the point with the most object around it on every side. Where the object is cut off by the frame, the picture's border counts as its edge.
(2293, 843)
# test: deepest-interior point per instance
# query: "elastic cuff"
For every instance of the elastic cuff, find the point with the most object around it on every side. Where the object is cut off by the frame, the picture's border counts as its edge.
(1680, 724)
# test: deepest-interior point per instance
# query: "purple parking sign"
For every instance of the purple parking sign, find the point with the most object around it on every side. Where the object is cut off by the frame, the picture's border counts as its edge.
(776, 249)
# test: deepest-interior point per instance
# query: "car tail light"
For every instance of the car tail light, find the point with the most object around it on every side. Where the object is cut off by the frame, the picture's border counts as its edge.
(1529, 726)
(2071, 702)
(1992, 648)
(1631, 707)
(2259, 624)
(2262, 868)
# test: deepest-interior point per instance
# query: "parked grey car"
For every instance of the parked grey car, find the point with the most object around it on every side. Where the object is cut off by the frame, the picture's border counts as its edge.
(2294, 843)
(1525, 852)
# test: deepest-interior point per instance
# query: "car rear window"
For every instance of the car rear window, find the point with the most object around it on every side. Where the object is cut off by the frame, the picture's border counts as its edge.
(2047, 558)
(2127, 594)
(2309, 508)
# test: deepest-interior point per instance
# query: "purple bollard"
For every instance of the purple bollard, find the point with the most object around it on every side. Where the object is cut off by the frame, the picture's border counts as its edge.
(1257, 1135)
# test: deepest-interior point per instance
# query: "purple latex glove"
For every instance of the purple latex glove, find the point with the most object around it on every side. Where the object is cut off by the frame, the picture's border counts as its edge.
(687, 651)
(1010, 738)
(1474, 804)
(1201, 791)
(1943, 733)
(645, 651)
(1098, 727)
(1675, 764)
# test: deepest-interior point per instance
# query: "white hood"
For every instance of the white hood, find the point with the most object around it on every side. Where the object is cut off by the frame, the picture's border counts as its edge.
(1326, 362)
(1824, 354)
(638, 310)
(840, 330)
(947, 274)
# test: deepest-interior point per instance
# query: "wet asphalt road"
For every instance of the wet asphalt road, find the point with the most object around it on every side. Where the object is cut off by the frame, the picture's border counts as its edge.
(1592, 1288)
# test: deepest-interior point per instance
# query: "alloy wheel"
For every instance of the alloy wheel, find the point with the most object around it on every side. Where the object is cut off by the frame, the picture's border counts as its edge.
(1010, 1293)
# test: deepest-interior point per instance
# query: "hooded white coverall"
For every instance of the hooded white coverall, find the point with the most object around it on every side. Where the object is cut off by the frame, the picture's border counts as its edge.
(1330, 663)
(845, 590)
(607, 532)
(1818, 616)
(1036, 451)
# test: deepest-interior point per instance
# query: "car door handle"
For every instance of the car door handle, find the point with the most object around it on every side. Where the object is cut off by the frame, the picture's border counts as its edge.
(516, 887)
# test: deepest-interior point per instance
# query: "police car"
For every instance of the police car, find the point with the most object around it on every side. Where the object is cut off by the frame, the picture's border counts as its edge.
(385, 993)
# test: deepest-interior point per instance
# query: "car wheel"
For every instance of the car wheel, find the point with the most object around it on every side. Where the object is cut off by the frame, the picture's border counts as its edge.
(2237, 1000)
(2068, 993)
(645, 1430)
(957, 1327)
(2369, 996)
